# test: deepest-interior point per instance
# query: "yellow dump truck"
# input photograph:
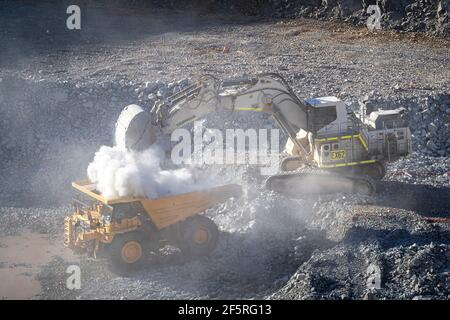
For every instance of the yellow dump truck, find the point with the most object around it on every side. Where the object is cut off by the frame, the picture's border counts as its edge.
(126, 229)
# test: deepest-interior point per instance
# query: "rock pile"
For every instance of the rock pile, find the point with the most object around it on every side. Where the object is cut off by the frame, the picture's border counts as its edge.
(368, 272)
(428, 118)
(430, 124)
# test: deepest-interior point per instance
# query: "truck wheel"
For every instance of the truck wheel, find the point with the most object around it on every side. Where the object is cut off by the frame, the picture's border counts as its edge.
(199, 236)
(127, 252)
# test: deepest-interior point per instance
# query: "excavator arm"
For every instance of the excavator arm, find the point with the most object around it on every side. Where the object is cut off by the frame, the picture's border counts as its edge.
(137, 129)
(267, 93)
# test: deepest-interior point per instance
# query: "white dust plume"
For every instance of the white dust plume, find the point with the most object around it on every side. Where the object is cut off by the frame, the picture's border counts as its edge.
(118, 172)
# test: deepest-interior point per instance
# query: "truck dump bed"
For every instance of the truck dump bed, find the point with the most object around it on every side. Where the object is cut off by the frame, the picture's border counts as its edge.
(166, 210)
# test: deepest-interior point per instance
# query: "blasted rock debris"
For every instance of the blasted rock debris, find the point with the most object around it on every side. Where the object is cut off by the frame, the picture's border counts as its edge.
(429, 120)
(347, 272)
(431, 17)
(418, 16)
(320, 248)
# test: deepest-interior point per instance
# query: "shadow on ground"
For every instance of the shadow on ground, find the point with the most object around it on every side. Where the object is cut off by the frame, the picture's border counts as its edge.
(397, 237)
(425, 200)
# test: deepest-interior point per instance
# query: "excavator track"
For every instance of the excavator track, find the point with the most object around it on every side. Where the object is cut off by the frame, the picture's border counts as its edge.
(375, 171)
(312, 181)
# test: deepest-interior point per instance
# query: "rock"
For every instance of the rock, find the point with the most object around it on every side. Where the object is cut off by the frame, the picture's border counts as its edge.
(151, 87)
(422, 298)
(88, 104)
(161, 93)
(370, 295)
(432, 128)
(183, 82)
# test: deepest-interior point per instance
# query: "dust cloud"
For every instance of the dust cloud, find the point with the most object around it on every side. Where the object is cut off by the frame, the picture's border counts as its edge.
(119, 172)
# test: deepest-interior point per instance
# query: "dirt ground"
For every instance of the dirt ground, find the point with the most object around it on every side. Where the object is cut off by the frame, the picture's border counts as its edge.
(22, 256)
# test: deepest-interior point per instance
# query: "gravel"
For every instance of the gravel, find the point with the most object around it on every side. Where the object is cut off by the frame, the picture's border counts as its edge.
(324, 247)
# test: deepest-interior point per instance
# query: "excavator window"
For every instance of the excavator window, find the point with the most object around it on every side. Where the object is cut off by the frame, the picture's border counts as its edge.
(322, 116)
(326, 150)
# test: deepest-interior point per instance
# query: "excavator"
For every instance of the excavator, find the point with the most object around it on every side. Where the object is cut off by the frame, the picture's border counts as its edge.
(329, 148)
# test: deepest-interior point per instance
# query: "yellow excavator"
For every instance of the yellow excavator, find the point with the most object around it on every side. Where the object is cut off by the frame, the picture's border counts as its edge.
(330, 149)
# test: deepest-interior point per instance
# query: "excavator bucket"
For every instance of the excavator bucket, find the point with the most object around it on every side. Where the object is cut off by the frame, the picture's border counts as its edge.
(134, 129)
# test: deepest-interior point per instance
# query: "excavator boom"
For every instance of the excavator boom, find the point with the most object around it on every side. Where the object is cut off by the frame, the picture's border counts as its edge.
(267, 93)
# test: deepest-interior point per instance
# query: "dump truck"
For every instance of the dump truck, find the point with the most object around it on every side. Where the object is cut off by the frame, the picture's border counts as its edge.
(126, 230)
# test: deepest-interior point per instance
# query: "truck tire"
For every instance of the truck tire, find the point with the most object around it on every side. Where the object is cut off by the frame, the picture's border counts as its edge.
(199, 236)
(128, 252)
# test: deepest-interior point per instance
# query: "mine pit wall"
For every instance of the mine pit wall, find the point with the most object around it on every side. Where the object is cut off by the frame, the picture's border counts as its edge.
(406, 15)
(431, 17)
(50, 130)
(427, 16)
